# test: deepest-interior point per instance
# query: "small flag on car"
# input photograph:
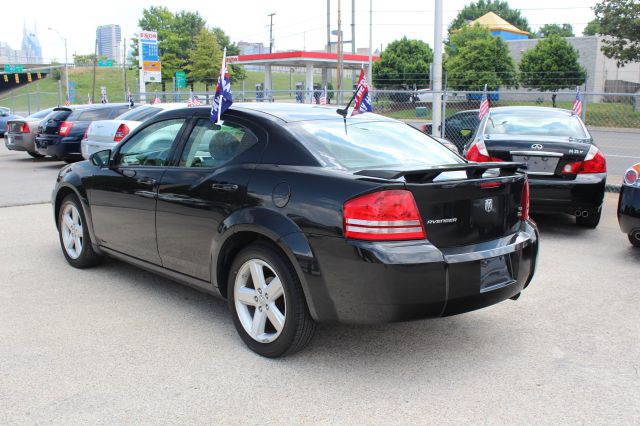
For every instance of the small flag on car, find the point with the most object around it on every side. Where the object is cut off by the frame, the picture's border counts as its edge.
(323, 96)
(577, 103)
(363, 100)
(193, 100)
(484, 104)
(156, 99)
(222, 100)
(129, 98)
(66, 100)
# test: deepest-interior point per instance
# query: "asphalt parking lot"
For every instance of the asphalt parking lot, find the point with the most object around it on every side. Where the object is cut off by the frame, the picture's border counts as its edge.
(115, 344)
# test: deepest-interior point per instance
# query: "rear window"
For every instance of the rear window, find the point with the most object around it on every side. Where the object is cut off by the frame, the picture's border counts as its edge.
(41, 114)
(59, 115)
(534, 123)
(140, 114)
(90, 114)
(373, 144)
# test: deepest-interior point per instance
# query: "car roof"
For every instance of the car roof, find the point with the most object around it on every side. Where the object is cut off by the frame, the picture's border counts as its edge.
(293, 112)
(539, 109)
(89, 106)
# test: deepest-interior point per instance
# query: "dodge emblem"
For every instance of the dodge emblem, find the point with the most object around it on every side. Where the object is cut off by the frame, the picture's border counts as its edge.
(488, 205)
(537, 146)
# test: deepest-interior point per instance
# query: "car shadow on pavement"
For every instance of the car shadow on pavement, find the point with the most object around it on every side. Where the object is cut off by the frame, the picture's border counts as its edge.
(558, 224)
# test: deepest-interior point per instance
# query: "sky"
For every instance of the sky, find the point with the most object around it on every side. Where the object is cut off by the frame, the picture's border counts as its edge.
(297, 25)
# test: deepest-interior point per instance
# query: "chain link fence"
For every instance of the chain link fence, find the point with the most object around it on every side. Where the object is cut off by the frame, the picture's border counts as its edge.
(608, 110)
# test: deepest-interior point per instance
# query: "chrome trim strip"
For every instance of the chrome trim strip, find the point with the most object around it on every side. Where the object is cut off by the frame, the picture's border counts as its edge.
(383, 222)
(537, 153)
(521, 241)
(366, 230)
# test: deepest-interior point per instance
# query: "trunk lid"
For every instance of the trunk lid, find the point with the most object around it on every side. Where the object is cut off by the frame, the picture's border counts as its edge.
(545, 157)
(105, 130)
(465, 203)
(51, 126)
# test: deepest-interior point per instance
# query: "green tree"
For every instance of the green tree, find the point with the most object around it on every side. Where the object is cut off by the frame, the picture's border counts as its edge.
(203, 57)
(403, 64)
(476, 58)
(475, 10)
(564, 30)
(592, 28)
(84, 60)
(551, 65)
(620, 19)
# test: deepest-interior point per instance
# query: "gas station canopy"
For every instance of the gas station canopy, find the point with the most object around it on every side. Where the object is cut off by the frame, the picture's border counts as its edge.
(302, 59)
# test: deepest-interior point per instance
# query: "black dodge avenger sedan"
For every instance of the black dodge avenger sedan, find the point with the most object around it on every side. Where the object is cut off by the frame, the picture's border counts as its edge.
(567, 172)
(297, 217)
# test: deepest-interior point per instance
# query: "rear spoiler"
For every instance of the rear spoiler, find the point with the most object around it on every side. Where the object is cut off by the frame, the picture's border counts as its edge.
(473, 170)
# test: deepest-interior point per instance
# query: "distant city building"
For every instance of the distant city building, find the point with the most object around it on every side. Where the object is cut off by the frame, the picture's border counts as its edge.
(30, 53)
(109, 38)
(499, 27)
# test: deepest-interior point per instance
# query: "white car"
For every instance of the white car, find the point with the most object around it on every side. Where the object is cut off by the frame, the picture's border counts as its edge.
(105, 134)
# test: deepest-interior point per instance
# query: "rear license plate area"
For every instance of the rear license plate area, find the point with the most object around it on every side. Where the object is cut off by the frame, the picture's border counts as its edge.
(10, 140)
(538, 164)
(495, 273)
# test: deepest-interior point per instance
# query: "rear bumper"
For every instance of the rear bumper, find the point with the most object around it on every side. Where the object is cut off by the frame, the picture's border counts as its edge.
(585, 192)
(366, 282)
(19, 142)
(629, 208)
(89, 147)
(59, 147)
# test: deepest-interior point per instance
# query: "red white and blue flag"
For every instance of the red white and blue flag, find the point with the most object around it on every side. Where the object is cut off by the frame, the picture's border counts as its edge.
(323, 96)
(66, 100)
(130, 98)
(363, 100)
(156, 99)
(484, 104)
(193, 100)
(577, 103)
(222, 99)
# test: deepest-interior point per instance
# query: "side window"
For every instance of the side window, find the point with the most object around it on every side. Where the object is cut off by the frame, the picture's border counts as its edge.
(94, 115)
(119, 110)
(209, 146)
(151, 146)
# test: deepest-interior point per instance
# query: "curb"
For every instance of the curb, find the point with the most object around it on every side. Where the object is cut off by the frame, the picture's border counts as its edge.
(612, 188)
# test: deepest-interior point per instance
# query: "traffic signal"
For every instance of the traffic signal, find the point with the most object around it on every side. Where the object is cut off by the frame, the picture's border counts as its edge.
(29, 77)
(17, 78)
(6, 78)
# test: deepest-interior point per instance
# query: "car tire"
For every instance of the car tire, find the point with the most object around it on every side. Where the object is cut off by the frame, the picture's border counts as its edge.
(35, 154)
(634, 238)
(592, 220)
(75, 240)
(272, 325)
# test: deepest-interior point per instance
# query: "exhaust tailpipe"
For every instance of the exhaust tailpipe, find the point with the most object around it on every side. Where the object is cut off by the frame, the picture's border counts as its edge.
(581, 213)
(636, 234)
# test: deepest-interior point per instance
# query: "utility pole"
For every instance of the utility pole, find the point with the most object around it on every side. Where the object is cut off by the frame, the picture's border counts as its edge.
(369, 77)
(271, 32)
(95, 62)
(124, 68)
(340, 53)
(437, 70)
(353, 37)
(326, 72)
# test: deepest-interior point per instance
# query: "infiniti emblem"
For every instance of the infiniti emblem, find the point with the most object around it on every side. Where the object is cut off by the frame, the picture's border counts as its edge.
(488, 205)
(536, 146)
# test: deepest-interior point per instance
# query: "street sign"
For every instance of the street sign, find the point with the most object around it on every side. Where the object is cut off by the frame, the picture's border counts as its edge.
(181, 80)
(105, 62)
(12, 68)
(151, 68)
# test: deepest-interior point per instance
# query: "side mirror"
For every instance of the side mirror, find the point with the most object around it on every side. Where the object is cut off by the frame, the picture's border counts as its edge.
(101, 158)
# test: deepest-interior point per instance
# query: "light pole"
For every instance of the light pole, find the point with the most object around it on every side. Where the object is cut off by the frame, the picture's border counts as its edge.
(66, 67)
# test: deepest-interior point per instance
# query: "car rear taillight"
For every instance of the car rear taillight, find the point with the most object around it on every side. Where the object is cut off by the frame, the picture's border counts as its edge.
(86, 134)
(478, 152)
(383, 216)
(122, 131)
(524, 201)
(24, 128)
(631, 175)
(594, 162)
(65, 128)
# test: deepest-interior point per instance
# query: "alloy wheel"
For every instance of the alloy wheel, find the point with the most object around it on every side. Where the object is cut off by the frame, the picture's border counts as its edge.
(260, 301)
(72, 231)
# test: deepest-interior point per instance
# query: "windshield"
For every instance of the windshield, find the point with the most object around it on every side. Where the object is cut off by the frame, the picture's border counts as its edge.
(371, 144)
(41, 114)
(141, 113)
(534, 123)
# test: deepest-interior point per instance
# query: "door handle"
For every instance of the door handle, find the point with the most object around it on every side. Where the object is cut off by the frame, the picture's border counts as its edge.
(227, 187)
(147, 181)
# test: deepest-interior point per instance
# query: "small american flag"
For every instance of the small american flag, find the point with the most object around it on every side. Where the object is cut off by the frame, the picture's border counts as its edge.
(484, 104)
(323, 96)
(156, 99)
(193, 100)
(577, 103)
(66, 100)
(313, 98)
